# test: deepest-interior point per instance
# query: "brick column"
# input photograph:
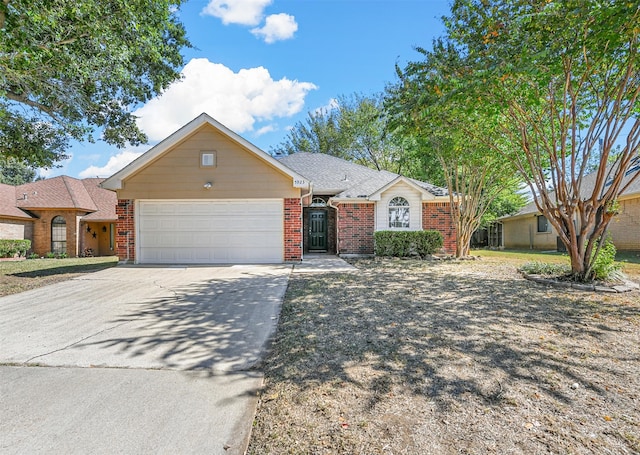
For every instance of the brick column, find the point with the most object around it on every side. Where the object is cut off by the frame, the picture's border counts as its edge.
(437, 217)
(125, 230)
(292, 230)
(356, 223)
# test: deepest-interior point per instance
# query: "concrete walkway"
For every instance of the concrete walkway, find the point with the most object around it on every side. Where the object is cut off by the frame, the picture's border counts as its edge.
(323, 263)
(137, 360)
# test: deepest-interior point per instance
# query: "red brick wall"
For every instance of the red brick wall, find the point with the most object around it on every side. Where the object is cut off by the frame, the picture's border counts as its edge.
(356, 223)
(292, 229)
(42, 230)
(437, 217)
(125, 230)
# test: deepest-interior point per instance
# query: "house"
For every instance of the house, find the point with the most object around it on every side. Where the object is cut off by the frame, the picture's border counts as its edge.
(529, 229)
(349, 202)
(206, 195)
(60, 215)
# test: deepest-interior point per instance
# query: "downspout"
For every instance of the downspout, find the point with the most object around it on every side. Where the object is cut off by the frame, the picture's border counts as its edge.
(302, 216)
(329, 204)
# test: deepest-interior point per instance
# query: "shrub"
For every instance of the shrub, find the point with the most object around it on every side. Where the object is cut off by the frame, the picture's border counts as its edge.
(603, 266)
(544, 268)
(9, 248)
(50, 255)
(407, 243)
(33, 256)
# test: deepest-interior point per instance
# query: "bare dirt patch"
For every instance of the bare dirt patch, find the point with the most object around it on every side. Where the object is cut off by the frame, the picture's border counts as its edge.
(410, 357)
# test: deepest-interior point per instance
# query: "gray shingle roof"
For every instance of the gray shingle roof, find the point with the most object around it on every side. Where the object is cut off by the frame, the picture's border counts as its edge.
(337, 177)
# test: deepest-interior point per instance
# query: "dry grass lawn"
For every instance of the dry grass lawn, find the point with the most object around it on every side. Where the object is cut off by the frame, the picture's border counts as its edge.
(19, 276)
(411, 357)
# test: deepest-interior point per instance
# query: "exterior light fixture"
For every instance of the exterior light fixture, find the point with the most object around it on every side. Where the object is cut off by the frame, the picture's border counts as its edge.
(208, 185)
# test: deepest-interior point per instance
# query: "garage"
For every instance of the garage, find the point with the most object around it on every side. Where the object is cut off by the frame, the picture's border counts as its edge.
(210, 231)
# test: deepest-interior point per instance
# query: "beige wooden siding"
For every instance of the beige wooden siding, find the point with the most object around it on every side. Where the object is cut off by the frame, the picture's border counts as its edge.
(414, 199)
(177, 174)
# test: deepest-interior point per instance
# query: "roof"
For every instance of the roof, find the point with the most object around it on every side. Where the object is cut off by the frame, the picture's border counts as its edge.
(59, 192)
(586, 189)
(8, 208)
(105, 200)
(62, 193)
(334, 176)
(115, 181)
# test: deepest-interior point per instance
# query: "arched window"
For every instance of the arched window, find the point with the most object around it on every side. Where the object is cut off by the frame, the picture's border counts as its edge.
(318, 202)
(58, 235)
(398, 213)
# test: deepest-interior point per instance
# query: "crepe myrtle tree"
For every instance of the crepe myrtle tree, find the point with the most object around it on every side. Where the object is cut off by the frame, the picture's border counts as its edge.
(474, 174)
(558, 83)
(69, 68)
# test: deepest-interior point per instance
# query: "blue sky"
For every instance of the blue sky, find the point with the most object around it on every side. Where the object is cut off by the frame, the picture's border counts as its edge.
(259, 66)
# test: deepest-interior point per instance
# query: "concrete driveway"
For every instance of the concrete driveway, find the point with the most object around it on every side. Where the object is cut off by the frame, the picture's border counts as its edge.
(137, 360)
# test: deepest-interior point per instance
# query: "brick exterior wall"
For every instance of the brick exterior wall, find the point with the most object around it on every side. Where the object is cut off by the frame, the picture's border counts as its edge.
(356, 223)
(437, 216)
(292, 229)
(41, 244)
(125, 230)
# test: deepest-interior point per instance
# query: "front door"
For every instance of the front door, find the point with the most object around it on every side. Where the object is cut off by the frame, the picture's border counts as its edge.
(317, 230)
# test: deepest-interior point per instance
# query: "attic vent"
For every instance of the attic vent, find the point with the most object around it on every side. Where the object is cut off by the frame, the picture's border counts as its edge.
(24, 196)
(345, 178)
(362, 195)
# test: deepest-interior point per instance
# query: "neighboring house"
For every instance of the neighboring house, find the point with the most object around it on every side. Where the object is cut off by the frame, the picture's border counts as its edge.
(529, 229)
(60, 215)
(206, 195)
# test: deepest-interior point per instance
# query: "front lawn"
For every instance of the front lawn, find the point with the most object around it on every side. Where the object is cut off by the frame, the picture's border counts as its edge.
(18, 276)
(630, 260)
(412, 357)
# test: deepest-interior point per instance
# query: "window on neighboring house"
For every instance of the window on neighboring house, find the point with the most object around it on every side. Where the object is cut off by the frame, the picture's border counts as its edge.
(58, 235)
(398, 213)
(543, 224)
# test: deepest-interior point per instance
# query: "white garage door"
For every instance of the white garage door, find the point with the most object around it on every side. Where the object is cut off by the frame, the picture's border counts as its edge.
(210, 232)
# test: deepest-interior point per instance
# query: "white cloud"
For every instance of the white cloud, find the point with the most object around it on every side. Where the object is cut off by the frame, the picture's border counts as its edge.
(243, 12)
(266, 129)
(324, 110)
(115, 163)
(237, 100)
(277, 27)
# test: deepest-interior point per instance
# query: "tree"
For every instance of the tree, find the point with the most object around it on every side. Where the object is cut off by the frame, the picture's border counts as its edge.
(561, 81)
(475, 177)
(69, 68)
(353, 129)
(13, 172)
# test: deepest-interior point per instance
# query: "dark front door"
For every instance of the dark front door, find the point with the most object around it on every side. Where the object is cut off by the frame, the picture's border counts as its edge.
(317, 230)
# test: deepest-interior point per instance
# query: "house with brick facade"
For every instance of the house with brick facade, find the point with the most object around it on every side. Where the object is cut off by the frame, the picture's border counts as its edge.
(349, 202)
(60, 215)
(529, 229)
(206, 195)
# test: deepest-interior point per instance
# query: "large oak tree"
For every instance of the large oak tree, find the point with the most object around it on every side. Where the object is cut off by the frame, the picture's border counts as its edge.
(73, 70)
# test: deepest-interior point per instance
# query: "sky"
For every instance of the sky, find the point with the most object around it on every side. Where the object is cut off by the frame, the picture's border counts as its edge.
(260, 66)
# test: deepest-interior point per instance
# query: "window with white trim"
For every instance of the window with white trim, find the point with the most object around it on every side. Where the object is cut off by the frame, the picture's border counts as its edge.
(208, 159)
(399, 213)
(543, 224)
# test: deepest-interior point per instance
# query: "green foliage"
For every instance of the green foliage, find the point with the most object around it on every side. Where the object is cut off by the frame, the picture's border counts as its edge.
(33, 256)
(549, 86)
(69, 68)
(352, 128)
(407, 243)
(9, 248)
(14, 172)
(508, 202)
(50, 255)
(603, 265)
(545, 268)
